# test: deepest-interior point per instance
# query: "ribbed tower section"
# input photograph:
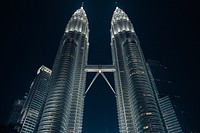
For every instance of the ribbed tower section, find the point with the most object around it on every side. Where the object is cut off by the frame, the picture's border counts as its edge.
(136, 101)
(63, 110)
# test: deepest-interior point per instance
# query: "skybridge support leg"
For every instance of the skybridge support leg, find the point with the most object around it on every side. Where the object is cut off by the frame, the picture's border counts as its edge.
(100, 69)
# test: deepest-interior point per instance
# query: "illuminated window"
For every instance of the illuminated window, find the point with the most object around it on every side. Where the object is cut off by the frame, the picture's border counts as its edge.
(149, 113)
(145, 127)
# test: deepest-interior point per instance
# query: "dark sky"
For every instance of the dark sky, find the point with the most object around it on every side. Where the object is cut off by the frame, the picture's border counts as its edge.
(168, 31)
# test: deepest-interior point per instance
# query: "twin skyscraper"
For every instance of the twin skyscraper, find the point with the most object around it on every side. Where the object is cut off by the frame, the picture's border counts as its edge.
(55, 103)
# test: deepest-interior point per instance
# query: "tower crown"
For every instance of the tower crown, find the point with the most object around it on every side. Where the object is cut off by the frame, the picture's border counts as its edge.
(119, 14)
(80, 14)
(120, 22)
(78, 22)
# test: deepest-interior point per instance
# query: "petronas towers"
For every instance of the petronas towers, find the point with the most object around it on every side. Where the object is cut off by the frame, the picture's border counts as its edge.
(138, 104)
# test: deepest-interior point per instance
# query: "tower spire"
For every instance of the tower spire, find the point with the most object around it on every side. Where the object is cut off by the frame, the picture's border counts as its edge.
(82, 4)
(116, 3)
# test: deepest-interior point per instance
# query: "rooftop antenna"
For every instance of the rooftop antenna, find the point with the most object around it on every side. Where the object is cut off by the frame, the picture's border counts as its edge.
(116, 3)
(82, 4)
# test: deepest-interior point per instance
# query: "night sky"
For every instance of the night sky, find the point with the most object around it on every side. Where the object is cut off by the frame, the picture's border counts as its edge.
(168, 31)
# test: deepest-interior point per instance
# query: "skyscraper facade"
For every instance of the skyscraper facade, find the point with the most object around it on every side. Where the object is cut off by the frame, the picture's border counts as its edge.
(34, 104)
(63, 110)
(55, 102)
(136, 100)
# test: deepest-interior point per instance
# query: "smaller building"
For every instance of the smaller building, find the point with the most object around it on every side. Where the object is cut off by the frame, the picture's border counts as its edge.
(160, 86)
(169, 115)
(15, 114)
(35, 101)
